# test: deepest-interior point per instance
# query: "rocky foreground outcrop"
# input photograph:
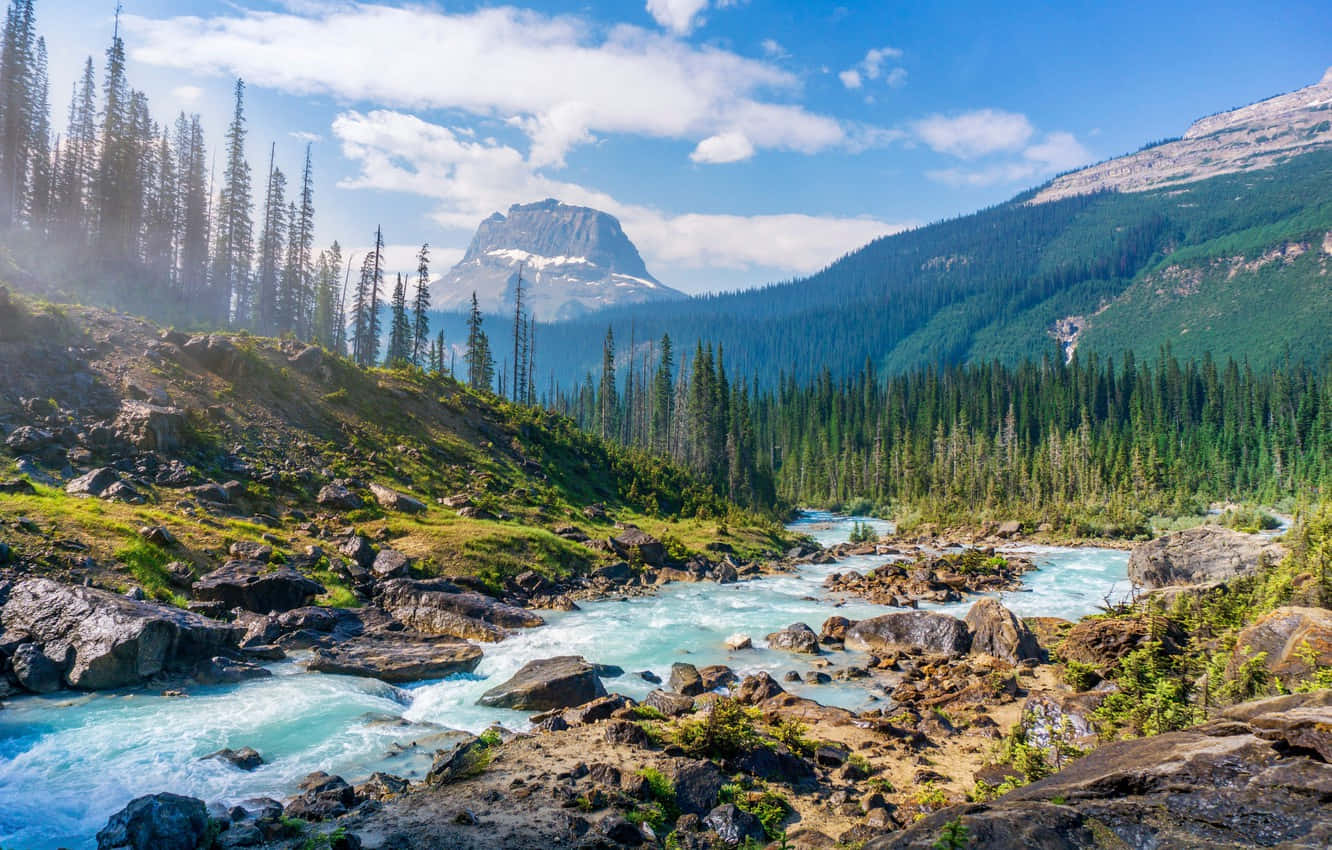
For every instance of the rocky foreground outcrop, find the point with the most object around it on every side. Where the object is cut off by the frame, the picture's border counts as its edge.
(927, 630)
(397, 657)
(94, 639)
(1259, 774)
(1205, 555)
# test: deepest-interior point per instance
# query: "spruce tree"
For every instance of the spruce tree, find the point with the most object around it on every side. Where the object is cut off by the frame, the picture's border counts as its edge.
(606, 415)
(480, 363)
(272, 237)
(17, 76)
(233, 254)
(421, 305)
(400, 327)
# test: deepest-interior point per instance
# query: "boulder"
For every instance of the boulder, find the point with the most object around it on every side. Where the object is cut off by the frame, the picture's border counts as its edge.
(927, 630)
(323, 797)
(1050, 718)
(757, 688)
(1252, 777)
(996, 631)
(561, 682)
(151, 427)
(105, 640)
(669, 703)
(465, 759)
(390, 563)
(436, 607)
(93, 483)
(394, 501)
(35, 671)
(634, 544)
(834, 630)
(734, 826)
(246, 758)
(397, 657)
(256, 586)
(359, 550)
(250, 550)
(338, 497)
(156, 822)
(1297, 641)
(27, 439)
(737, 642)
(1101, 643)
(685, 679)
(1204, 555)
(217, 354)
(796, 637)
(697, 784)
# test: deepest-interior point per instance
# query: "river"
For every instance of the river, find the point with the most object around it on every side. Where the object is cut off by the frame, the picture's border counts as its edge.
(67, 761)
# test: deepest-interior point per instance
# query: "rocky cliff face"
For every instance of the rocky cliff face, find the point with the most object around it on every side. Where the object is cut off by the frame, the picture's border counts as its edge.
(1251, 137)
(573, 260)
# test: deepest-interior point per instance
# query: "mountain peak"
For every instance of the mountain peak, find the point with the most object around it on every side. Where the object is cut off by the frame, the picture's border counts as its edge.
(573, 260)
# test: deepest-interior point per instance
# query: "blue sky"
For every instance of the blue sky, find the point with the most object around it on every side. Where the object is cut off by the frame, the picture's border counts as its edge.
(739, 141)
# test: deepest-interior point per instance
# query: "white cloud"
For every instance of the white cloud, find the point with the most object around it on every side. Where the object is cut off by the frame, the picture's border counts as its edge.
(1058, 151)
(305, 136)
(471, 179)
(676, 15)
(187, 94)
(975, 133)
(565, 80)
(773, 48)
(871, 68)
(723, 147)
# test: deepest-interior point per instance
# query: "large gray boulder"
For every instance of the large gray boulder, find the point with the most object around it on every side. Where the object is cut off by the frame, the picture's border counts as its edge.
(562, 682)
(156, 822)
(797, 637)
(395, 501)
(103, 640)
(636, 544)
(256, 586)
(926, 630)
(151, 427)
(397, 657)
(1258, 775)
(996, 631)
(1204, 555)
(441, 608)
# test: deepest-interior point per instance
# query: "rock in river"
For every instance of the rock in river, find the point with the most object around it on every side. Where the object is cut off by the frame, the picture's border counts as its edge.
(397, 657)
(440, 608)
(257, 587)
(104, 640)
(796, 637)
(561, 682)
(927, 630)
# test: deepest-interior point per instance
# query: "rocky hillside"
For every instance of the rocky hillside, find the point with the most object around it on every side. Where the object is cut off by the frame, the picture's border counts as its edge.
(573, 260)
(1246, 139)
(142, 457)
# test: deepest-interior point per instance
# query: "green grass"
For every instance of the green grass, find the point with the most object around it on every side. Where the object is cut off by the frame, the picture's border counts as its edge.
(147, 563)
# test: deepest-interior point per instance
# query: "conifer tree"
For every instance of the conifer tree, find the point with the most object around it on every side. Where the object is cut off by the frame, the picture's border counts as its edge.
(480, 363)
(18, 74)
(421, 306)
(272, 237)
(606, 414)
(400, 327)
(192, 203)
(233, 254)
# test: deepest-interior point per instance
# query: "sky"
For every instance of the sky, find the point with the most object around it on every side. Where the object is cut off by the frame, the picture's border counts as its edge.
(739, 142)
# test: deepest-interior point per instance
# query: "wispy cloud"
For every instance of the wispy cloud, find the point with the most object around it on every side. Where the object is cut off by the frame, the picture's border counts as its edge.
(972, 134)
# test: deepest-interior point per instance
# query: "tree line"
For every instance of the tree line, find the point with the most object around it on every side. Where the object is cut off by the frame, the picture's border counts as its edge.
(1093, 442)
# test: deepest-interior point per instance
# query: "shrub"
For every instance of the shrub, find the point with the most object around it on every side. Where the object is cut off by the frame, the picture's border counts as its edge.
(726, 730)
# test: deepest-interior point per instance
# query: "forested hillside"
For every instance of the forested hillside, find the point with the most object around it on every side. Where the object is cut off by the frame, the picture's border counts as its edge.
(995, 284)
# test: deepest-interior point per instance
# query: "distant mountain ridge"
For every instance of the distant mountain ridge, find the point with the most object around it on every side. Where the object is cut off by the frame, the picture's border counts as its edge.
(1245, 139)
(574, 260)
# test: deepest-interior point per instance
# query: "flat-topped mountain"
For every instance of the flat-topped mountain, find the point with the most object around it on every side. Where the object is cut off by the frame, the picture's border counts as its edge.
(1255, 136)
(573, 260)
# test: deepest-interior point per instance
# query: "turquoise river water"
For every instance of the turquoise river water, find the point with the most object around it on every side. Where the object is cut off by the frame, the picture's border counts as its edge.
(67, 761)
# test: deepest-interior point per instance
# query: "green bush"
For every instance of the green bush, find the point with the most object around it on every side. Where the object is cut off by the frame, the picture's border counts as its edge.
(726, 730)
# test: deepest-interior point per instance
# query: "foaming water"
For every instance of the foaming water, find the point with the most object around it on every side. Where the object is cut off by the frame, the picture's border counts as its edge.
(68, 762)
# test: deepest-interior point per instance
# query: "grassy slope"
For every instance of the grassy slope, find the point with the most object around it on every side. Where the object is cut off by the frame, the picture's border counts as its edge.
(426, 436)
